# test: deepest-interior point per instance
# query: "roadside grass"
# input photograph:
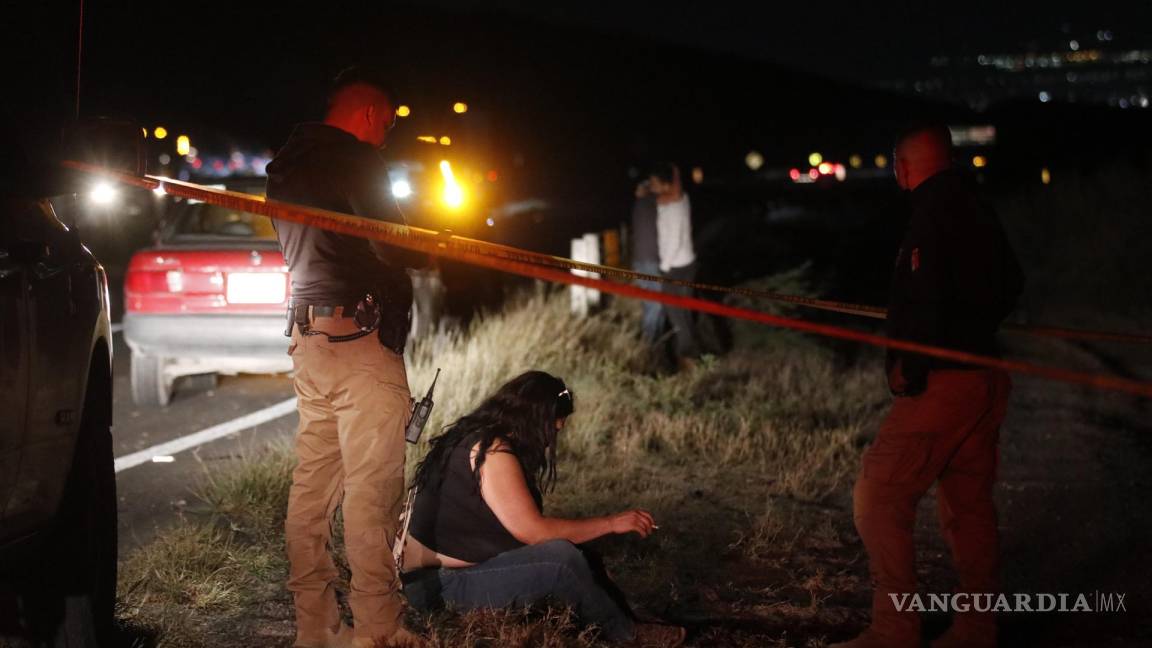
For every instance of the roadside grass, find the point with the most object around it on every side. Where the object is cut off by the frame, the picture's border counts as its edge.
(742, 460)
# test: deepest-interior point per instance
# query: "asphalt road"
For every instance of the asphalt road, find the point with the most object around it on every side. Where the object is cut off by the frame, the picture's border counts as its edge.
(153, 494)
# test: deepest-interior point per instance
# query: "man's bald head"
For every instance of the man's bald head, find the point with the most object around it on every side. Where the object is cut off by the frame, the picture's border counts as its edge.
(361, 103)
(921, 153)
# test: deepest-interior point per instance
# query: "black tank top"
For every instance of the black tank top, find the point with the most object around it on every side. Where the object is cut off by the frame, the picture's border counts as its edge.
(450, 516)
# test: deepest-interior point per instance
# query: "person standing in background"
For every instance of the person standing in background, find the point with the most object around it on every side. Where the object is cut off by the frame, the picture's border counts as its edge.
(956, 279)
(677, 255)
(646, 259)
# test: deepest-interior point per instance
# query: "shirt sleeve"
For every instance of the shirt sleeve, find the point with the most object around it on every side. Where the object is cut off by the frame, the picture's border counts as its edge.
(922, 275)
(367, 191)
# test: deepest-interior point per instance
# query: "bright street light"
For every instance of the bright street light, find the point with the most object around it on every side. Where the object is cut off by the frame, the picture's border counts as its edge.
(459, 107)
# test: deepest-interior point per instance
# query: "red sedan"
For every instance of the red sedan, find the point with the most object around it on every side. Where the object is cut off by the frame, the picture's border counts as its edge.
(209, 297)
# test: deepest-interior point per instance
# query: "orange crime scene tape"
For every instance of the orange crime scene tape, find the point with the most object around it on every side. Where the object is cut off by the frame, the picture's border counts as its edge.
(516, 261)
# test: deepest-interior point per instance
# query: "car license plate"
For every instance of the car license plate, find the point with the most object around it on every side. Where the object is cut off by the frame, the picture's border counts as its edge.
(256, 287)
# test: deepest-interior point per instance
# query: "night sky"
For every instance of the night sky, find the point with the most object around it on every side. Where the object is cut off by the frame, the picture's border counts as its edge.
(620, 81)
(136, 52)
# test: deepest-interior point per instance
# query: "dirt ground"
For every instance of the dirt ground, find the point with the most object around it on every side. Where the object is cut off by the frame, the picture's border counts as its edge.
(1074, 518)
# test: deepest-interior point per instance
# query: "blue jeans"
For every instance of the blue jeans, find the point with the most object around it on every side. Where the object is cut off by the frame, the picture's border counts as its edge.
(652, 321)
(556, 570)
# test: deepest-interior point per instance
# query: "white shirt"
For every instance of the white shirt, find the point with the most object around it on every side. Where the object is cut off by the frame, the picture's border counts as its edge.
(674, 234)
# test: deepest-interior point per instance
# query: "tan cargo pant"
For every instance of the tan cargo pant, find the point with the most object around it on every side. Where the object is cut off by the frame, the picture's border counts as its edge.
(947, 435)
(353, 402)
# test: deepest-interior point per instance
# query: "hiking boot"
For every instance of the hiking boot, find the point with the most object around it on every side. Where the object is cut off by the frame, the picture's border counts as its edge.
(340, 638)
(869, 639)
(657, 635)
(402, 638)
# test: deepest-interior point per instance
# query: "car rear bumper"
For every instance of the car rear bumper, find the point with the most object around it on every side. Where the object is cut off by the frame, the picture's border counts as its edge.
(247, 336)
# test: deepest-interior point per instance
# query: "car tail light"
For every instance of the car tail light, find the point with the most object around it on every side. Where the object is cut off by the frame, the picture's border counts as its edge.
(144, 281)
(256, 287)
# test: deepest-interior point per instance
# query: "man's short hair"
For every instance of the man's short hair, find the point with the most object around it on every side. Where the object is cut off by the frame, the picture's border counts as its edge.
(665, 171)
(936, 132)
(360, 76)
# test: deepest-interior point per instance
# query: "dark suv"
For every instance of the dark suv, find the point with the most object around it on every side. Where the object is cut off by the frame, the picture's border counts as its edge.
(57, 482)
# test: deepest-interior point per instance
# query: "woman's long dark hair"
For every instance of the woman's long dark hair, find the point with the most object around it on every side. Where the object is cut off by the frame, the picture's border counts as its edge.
(522, 414)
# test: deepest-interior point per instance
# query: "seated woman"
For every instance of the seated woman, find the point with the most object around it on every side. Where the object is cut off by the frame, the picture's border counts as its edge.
(478, 537)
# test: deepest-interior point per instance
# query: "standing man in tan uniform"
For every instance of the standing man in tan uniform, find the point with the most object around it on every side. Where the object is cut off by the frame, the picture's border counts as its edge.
(956, 278)
(349, 320)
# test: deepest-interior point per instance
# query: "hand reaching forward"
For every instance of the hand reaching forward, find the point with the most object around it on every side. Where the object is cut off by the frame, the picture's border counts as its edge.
(635, 520)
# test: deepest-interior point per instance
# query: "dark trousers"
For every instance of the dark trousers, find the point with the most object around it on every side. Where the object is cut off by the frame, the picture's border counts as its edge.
(556, 570)
(683, 320)
(947, 435)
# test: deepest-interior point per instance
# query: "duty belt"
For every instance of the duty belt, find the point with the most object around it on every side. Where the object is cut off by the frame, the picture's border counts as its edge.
(308, 312)
(302, 315)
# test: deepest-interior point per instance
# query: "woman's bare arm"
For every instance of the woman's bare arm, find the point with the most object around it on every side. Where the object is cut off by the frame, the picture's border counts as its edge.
(505, 490)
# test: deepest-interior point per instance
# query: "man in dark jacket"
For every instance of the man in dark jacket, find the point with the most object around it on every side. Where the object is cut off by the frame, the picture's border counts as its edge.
(956, 279)
(350, 381)
(646, 258)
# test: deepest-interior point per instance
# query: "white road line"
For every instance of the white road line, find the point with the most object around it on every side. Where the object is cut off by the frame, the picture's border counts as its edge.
(116, 328)
(206, 435)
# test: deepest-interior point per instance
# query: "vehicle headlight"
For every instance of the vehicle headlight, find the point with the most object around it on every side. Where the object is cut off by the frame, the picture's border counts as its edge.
(401, 189)
(104, 193)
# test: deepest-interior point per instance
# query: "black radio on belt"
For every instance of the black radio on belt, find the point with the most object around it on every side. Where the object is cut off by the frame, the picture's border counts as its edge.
(420, 413)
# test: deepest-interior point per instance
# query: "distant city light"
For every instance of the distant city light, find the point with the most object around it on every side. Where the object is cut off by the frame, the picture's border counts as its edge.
(403, 111)
(881, 161)
(825, 168)
(431, 139)
(794, 174)
(815, 159)
(1045, 97)
(401, 189)
(165, 158)
(160, 132)
(183, 145)
(855, 161)
(979, 161)
(698, 175)
(145, 131)
(493, 176)
(490, 222)
(813, 173)
(459, 107)
(1074, 45)
(840, 172)
(104, 193)
(754, 160)
(1045, 176)
(445, 141)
